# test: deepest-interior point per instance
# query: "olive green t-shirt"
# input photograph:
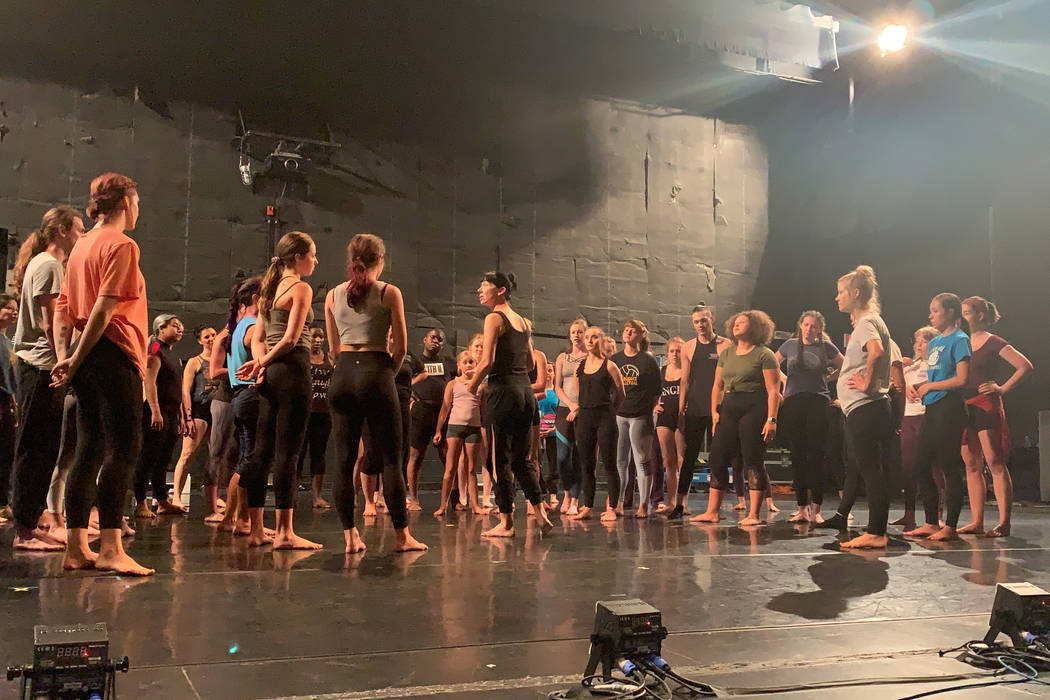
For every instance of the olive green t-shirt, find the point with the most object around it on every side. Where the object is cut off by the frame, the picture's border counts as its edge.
(744, 372)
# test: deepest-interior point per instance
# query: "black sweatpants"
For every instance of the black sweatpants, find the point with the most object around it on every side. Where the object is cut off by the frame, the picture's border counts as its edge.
(157, 448)
(284, 405)
(362, 392)
(804, 426)
(318, 429)
(940, 440)
(697, 431)
(7, 446)
(109, 435)
(509, 408)
(869, 434)
(596, 436)
(739, 434)
(36, 442)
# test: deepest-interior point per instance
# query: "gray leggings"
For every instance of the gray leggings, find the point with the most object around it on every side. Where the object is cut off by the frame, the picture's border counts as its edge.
(56, 494)
(635, 436)
(223, 448)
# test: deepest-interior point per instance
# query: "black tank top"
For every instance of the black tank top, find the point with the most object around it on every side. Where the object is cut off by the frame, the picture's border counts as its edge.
(702, 377)
(669, 398)
(511, 358)
(595, 389)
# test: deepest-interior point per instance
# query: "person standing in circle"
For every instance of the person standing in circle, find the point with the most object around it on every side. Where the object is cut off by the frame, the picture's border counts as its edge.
(863, 389)
(947, 372)
(672, 443)
(431, 372)
(104, 297)
(281, 367)
(359, 315)
(197, 390)
(634, 415)
(567, 389)
(911, 423)
(510, 405)
(319, 425)
(809, 358)
(987, 437)
(699, 360)
(167, 419)
(39, 271)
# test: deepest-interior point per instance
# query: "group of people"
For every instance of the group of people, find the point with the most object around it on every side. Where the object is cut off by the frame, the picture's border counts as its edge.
(94, 393)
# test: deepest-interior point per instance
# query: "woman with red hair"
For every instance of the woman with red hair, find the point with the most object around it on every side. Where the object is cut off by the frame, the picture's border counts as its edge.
(104, 297)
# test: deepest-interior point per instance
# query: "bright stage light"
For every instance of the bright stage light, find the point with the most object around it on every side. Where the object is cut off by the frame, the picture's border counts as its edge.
(893, 38)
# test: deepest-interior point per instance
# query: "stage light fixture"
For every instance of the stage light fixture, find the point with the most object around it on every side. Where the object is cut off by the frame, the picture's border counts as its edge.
(893, 38)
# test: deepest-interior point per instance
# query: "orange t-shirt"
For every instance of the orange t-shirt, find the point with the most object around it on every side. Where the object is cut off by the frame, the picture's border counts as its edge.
(105, 262)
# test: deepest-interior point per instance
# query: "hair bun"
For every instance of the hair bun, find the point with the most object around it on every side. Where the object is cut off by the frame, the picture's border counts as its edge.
(274, 260)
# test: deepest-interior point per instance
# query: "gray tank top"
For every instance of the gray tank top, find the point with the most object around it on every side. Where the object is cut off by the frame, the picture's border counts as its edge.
(367, 324)
(277, 324)
(569, 383)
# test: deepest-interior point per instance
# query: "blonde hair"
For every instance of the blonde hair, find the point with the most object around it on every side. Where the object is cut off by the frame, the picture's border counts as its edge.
(641, 329)
(581, 321)
(597, 350)
(862, 282)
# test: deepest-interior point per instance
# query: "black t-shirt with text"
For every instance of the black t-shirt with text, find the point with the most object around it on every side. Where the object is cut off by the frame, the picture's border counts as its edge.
(641, 383)
(440, 371)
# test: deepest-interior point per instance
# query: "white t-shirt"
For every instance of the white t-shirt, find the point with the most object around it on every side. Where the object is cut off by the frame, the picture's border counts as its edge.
(914, 375)
(43, 276)
(868, 327)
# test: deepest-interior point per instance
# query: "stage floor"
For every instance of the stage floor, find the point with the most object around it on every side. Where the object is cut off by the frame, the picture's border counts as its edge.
(774, 606)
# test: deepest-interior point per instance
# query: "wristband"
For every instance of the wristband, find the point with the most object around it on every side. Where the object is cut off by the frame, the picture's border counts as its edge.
(772, 419)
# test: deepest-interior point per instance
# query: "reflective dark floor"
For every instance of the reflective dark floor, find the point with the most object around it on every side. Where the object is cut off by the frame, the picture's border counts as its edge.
(771, 606)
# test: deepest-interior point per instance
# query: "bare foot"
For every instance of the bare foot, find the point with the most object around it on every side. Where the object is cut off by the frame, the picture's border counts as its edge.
(573, 508)
(354, 543)
(924, 531)
(408, 543)
(741, 505)
(478, 510)
(583, 513)
(370, 510)
(79, 559)
(413, 505)
(381, 504)
(772, 506)
(945, 534)
(294, 541)
(529, 510)
(142, 510)
(541, 518)
(708, 517)
(642, 513)
(818, 519)
(321, 504)
(169, 508)
(122, 564)
(866, 541)
(749, 520)
(39, 541)
(242, 528)
(258, 540)
(662, 508)
(499, 531)
(215, 517)
(974, 528)
(220, 504)
(439, 512)
(608, 516)
(125, 528)
(461, 506)
(799, 517)
(1000, 530)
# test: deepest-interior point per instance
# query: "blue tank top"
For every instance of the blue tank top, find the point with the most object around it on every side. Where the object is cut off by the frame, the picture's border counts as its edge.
(239, 354)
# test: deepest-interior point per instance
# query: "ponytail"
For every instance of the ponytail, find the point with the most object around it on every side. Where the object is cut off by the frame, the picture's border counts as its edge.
(364, 253)
(291, 244)
(54, 222)
(240, 296)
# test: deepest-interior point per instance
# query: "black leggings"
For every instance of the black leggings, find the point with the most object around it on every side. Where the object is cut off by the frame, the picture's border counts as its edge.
(36, 446)
(869, 434)
(245, 421)
(804, 426)
(509, 408)
(316, 443)
(109, 435)
(596, 436)
(739, 434)
(284, 405)
(697, 430)
(7, 447)
(157, 448)
(362, 391)
(939, 447)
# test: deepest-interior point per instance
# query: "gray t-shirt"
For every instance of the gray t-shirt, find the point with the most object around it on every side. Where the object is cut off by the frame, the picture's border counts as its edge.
(867, 327)
(806, 375)
(43, 276)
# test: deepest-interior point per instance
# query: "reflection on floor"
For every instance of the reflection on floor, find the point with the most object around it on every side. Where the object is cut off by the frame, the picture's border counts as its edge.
(769, 606)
